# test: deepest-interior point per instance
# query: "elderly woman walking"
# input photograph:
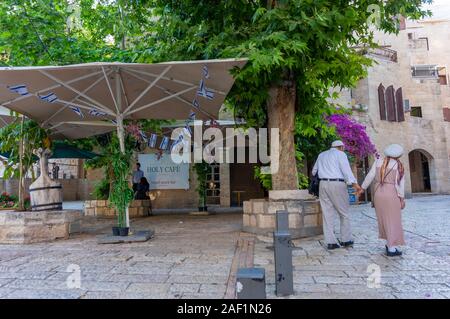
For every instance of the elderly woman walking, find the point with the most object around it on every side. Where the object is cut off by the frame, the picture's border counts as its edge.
(388, 197)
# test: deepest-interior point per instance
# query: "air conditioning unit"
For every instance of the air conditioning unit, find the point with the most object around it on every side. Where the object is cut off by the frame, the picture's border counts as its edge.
(406, 106)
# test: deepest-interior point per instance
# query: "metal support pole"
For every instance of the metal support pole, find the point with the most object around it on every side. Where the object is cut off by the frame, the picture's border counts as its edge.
(120, 128)
(283, 256)
(282, 221)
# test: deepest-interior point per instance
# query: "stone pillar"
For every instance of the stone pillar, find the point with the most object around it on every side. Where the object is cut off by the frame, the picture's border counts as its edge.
(225, 199)
(305, 215)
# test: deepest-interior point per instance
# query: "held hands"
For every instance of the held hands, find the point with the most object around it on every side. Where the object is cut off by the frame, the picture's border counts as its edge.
(359, 189)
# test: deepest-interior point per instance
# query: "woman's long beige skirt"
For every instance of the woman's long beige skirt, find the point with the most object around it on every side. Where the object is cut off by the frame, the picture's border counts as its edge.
(389, 213)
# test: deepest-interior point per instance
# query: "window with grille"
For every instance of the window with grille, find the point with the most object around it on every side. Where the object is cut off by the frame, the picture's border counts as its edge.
(213, 185)
(425, 71)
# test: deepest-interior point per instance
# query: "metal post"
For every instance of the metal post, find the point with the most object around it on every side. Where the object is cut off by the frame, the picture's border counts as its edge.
(282, 221)
(283, 256)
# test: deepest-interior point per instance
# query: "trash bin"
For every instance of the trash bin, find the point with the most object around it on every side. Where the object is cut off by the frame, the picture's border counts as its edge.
(251, 283)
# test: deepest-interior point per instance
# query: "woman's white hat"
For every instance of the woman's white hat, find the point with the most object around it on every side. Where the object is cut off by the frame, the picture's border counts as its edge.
(393, 150)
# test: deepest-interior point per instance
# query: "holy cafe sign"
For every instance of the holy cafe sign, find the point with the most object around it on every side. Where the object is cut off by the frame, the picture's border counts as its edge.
(163, 173)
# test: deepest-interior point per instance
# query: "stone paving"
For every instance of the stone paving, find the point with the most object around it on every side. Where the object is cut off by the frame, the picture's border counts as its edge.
(191, 257)
(422, 272)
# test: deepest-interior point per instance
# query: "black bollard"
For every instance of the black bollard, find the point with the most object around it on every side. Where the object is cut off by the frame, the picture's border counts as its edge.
(251, 283)
(284, 282)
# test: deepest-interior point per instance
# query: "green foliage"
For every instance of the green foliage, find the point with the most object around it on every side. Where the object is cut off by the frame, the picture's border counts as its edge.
(11, 135)
(44, 32)
(101, 189)
(264, 179)
(312, 42)
(120, 194)
(202, 169)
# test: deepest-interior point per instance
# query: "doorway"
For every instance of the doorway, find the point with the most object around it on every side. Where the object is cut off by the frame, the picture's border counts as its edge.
(243, 184)
(419, 166)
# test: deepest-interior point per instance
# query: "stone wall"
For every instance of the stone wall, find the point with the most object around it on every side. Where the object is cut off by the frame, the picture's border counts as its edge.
(102, 208)
(305, 216)
(35, 227)
(73, 189)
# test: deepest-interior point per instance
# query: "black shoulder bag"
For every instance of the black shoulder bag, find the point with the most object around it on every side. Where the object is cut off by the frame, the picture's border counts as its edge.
(314, 185)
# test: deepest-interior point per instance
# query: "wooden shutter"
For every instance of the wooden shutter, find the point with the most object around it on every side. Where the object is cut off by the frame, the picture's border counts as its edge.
(390, 104)
(400, 107)
(382, 102)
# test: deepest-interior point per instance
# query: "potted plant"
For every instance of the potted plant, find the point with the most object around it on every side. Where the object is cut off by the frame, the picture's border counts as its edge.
(120, 194)
(202, 169)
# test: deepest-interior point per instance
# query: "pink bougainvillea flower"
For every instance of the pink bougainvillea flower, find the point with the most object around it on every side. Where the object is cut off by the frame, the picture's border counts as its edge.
(353, 135)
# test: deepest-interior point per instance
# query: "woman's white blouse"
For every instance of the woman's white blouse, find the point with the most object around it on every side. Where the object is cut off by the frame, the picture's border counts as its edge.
(373, 170)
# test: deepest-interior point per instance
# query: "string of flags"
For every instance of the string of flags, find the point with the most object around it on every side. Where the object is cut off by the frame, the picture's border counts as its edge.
(50, 97)
(19, 89)
(166, 143)
(77, 110)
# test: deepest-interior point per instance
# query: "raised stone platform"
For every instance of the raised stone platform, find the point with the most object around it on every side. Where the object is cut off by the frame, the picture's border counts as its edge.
(34, 227)
(305, 215)
(101, 208)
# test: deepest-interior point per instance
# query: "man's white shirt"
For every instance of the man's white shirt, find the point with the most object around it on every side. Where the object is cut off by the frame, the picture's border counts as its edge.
(334, 164)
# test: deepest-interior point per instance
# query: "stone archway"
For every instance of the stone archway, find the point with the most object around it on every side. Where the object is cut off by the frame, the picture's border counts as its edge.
(421, 166)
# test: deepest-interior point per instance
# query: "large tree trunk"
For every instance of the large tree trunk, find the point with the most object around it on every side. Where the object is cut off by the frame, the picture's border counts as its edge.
(281, 114)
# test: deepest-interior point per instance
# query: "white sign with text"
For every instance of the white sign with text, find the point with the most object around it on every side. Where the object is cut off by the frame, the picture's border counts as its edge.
(163, 173)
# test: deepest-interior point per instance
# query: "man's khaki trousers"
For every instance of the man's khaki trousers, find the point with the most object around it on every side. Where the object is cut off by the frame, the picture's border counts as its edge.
(334, 201)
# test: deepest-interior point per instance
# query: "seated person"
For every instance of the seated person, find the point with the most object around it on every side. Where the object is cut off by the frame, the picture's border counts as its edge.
(142, 189)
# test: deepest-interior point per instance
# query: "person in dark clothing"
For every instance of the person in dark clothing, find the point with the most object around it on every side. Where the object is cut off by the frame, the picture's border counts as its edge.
(142, 189)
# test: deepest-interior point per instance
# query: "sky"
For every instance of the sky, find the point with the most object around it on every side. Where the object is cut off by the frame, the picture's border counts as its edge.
(440, 9)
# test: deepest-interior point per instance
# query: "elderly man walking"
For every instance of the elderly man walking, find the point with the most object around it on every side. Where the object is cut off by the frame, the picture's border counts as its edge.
(335, 173)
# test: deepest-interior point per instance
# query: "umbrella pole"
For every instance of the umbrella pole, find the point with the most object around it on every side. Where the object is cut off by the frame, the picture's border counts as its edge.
(120, 130)
(21, 205)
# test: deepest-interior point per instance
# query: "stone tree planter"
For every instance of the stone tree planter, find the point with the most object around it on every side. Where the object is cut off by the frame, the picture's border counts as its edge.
(103, 209)
(305, 215)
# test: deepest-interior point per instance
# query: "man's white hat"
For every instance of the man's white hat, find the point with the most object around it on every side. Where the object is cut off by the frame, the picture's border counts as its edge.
(393, 150)
(337, 144)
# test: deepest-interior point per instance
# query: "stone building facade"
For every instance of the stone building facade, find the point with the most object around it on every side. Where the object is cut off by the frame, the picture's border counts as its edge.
(411, 75)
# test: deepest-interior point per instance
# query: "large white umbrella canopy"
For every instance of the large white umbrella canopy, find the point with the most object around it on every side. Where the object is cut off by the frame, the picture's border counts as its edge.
(117, 91)
(56, 95)
(79, 129)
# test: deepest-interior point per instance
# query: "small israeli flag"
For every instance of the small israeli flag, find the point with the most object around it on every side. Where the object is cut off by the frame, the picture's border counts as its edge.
(77, 110)
(95, 112)
(203, 91)
(19, 89)
(114, 122)
(152, 141)
(164, 143)
(205, 71)
(143, 136)
(50, 97)
(176, 142)
(196, 104)
(187, 130)
(192, 116)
